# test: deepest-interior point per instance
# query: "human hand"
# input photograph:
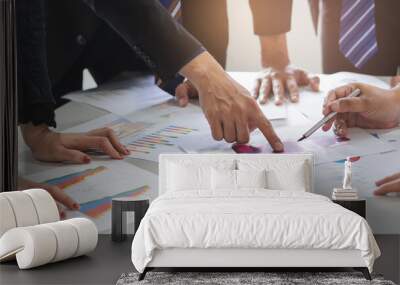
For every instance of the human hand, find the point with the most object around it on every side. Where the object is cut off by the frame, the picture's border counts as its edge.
(388, 184)
(184, 92)
(395, 80)
(58, 195)
(275, 82)
(278, 75)
(230, 110)
(375, 108)
(47, 145)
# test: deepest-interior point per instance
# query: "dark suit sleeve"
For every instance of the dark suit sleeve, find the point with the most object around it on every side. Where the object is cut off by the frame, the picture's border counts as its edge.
(150, 30)
(35, 100)
(213, 32)
(271, 17)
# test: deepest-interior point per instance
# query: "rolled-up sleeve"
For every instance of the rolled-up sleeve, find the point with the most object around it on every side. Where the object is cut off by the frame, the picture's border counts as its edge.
(164, 45)
(271, 17)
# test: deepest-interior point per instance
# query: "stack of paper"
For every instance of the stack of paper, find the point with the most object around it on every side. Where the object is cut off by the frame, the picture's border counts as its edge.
(131, 93)
(344, 194)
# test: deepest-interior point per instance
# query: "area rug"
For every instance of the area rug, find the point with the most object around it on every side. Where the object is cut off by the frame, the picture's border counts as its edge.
(244, 278)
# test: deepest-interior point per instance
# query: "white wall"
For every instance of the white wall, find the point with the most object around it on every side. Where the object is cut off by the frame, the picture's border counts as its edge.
(244, 50)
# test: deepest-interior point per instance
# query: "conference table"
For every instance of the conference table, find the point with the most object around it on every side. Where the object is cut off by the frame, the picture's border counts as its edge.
(383, 212)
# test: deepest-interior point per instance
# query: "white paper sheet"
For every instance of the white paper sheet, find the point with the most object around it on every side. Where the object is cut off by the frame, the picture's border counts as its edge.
(159, 113)
(391, 136)
(122, 127)
(200, 141)
(204, 143)
(325, 145)
(271, 111)
(310, 103)
(125, 96)
(93, 185)
(343, 78)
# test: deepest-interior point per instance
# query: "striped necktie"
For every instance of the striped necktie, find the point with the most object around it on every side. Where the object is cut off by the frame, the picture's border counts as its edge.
(173, 7)
(357, 40)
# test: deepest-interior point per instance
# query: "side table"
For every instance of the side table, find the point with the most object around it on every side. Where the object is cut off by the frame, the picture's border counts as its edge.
(357, 206)
(119, 208)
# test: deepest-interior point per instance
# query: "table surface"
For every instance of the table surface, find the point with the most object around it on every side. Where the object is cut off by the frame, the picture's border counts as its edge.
(383, 212)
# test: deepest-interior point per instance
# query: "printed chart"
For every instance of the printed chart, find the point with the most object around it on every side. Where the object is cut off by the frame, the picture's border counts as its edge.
(162, 140)
(97, 208)
(63, 182)
(124, 128)
(145, 140)
(94, 185)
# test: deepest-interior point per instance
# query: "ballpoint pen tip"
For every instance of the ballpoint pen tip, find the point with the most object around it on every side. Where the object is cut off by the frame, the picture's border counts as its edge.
(302, 138)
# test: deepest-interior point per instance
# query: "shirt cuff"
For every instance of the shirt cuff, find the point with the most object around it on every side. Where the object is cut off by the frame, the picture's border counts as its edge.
(37, 114)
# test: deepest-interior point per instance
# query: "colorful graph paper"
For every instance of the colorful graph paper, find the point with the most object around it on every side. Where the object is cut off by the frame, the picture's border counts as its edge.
(162, 137)
(96, 208)
(124, 128)
(69, 180)
(352, 159)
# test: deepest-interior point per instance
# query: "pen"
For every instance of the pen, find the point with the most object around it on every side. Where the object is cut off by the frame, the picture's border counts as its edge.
(328, 117)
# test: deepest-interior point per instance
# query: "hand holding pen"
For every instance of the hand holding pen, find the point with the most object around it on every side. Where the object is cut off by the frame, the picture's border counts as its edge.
(373, 108)
(329, 116)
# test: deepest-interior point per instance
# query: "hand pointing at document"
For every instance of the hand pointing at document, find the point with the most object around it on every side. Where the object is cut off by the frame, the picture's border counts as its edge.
(230, 110)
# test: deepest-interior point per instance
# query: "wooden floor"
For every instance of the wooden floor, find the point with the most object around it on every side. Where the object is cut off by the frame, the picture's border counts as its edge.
(110, 260)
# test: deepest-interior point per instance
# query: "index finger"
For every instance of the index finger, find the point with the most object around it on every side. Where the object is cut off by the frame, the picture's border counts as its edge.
(393, 186)
(387, 179)
(268, 131)
(293, 89)
(314, 83)
(98, 143)
(61, 197)
(112, 136)
(395, 80)
(265, 90)
(278, 90)
(256, 88)
(182, 94)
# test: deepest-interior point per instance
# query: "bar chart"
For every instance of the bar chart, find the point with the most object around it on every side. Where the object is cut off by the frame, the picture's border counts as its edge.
(154, 141)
